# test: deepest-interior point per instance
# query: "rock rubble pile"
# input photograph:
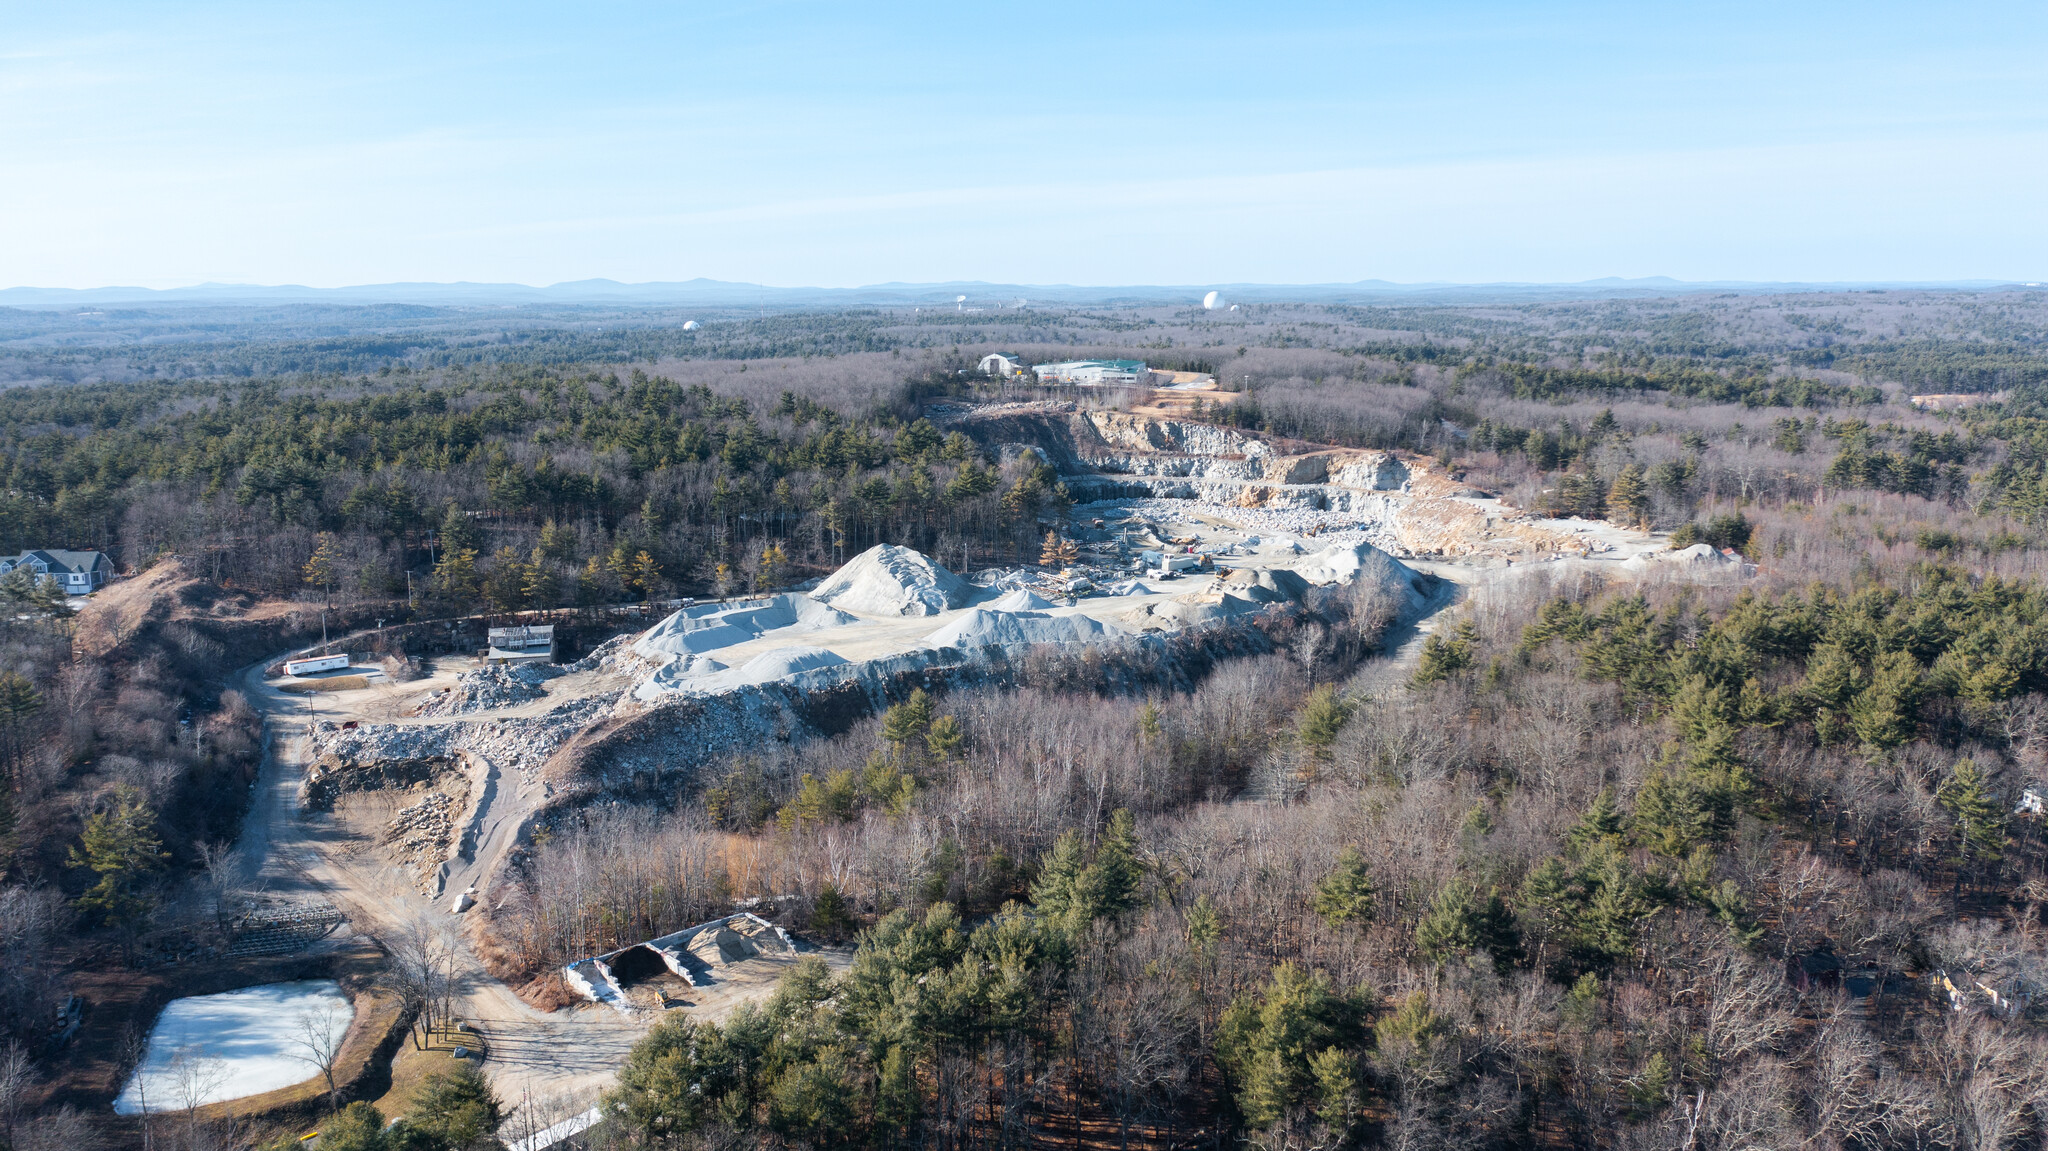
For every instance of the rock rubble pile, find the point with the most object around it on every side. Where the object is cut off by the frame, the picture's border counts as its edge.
(420, 834)
(488, 688)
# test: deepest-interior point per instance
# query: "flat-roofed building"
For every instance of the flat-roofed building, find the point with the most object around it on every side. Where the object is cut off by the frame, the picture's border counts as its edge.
(527, 643)
(1093, 372)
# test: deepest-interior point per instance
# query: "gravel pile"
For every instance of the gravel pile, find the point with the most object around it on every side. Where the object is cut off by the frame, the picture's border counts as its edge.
(887, 580)
(981, 628)
(488, 688)
(420, 834)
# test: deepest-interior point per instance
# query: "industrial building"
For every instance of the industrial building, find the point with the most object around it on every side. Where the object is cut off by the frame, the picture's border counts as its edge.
(529, 643)
(1093, 372)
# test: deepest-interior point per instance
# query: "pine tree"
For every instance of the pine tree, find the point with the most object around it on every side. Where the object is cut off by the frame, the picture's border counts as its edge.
(537, 583)
(1443, 657)
(458, 531)
(1323, 715)
(1346, 894)
(1885, 713)
(1059, 875)
(1459, 923)
(455, 575)
(1050, 553)
(120, 845)
(907, 723)
(1601, 826)
(646, 575)
(1628, 500)
(320, 569)
(1980, 819)
(1109, 885)
(944, 739)
(1204, 925)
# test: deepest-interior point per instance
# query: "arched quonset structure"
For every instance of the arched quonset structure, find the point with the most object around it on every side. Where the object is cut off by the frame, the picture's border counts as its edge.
(693, 953)
(999, 365)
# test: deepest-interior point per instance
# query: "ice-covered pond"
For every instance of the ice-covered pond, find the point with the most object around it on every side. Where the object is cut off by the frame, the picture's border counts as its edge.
(239, 1043)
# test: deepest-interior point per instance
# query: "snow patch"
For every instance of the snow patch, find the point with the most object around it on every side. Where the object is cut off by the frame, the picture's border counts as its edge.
(232, 1045)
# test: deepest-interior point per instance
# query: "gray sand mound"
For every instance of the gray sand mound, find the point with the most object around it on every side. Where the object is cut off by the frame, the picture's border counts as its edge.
(981, 628)
(1023, 599)
(708, 627)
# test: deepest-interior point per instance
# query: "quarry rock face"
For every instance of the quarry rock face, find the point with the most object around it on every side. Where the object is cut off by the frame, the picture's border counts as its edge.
(887, 580)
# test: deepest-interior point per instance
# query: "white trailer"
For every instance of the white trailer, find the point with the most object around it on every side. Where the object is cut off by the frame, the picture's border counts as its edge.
(317, 663)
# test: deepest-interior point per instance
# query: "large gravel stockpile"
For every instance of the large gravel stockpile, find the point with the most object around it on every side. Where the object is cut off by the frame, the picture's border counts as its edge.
(1344, 563)
(981, 628)
(887, 580)
(709, 627)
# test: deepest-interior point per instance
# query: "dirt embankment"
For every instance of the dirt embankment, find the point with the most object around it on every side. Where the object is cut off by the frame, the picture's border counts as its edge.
(201, 627)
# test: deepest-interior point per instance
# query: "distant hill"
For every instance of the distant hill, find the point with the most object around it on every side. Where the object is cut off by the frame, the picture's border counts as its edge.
(710, 293)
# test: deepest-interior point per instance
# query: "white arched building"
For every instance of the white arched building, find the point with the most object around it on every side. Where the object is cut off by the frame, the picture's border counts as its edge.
(997, 365)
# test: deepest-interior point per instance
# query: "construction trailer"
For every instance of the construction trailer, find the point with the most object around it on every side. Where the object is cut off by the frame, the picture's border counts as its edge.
(315, 664)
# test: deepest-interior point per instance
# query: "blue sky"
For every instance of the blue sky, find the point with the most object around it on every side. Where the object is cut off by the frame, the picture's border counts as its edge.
(836, 145)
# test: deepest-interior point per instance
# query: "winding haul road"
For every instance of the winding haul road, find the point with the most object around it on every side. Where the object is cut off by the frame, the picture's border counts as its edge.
(545, 1066)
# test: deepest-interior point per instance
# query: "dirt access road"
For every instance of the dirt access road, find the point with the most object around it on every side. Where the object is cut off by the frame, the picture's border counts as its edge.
(558, 1060)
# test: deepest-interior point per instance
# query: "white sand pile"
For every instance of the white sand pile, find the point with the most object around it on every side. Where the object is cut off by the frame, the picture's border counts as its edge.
(887, 580)
(1343, 563)
(708, 627)
(1023, 599)
(981, 628)
(233, 1045)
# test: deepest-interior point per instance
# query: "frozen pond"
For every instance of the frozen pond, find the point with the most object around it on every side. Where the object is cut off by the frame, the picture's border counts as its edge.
(239, 1043)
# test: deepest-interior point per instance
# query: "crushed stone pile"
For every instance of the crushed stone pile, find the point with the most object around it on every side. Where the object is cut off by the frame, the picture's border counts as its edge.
(1023, 599)
(1191, 610)
(1700, 561)
(702, 674)
(708, 627)
(981, 628)
(1346, 563)
(486, 689)
(520, 744)
(603, 657)
(1279, 586)
(886, 580)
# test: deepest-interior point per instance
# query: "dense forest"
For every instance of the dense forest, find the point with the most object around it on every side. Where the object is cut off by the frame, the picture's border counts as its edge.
(1702, 868)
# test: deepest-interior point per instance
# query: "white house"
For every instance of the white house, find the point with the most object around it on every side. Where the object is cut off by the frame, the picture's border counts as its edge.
(76, 572)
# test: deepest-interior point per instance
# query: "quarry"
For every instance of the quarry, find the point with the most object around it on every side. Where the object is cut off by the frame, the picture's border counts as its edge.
(1184, 536)
(1185, 544)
